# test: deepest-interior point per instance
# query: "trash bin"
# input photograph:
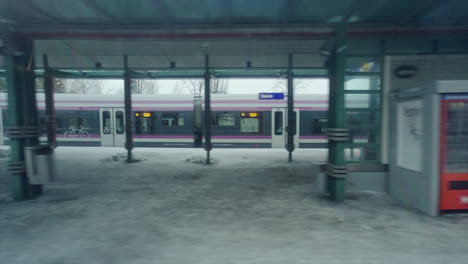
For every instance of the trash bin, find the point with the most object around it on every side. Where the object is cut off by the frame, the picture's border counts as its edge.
(40, 166)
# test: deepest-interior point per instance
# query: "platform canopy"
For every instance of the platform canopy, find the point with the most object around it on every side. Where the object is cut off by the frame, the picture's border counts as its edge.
(224, 13)
(174, 35)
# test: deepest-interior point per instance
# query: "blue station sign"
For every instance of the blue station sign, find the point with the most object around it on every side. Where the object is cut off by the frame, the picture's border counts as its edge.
(271, 96)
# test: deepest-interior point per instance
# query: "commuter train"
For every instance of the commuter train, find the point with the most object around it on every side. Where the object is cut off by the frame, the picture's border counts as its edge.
(177, 120)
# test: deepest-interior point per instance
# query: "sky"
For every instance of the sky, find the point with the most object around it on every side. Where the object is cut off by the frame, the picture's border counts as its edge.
(239, 86)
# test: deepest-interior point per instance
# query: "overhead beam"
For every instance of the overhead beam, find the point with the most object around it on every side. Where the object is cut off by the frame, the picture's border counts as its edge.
(95, 6)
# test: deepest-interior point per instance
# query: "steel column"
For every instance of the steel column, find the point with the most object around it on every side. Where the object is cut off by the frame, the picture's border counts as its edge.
(291, 125)
(49, 104)
(22, 127)
(208, 144)
(336, 167)
(128, 111)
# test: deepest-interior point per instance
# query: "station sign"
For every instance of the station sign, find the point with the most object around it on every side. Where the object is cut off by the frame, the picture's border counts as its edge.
(271, 96)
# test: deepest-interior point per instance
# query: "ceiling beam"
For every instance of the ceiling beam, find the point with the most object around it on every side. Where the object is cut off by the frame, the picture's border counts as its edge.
(163, 11)
(41, 11)
(95, 6)
(416, 14)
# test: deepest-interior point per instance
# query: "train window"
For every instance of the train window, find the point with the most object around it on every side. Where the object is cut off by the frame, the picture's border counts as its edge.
(225, 119)
(279, 123)
(145, 123)
(172, 119)
(250, 123)
(319, 125)
(119, 122)
(78, 123)
(106, 122)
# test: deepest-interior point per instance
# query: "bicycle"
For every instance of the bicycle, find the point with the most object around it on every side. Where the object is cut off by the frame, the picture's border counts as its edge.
(77, 132)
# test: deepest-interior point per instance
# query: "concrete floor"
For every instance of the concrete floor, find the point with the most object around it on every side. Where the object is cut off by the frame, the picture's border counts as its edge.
(250, 206)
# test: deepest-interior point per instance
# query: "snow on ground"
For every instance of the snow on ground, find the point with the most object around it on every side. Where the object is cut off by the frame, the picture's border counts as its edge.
(250, 206)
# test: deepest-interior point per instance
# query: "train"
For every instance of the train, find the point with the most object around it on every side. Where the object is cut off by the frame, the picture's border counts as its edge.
(238, 121)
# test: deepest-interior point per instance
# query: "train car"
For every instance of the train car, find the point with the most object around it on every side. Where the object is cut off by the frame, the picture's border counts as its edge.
(177, 120)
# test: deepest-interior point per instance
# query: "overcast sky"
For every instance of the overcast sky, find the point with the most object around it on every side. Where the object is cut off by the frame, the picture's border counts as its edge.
(239, 86)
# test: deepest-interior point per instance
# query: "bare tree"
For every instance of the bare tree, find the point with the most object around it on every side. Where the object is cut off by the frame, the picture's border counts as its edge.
(59, 84)
(83, 86)
(281, 85)
(145, 86)
(197, 86)
(218, 86)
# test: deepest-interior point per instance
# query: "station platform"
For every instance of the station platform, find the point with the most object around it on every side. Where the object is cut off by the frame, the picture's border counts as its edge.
(249, 206)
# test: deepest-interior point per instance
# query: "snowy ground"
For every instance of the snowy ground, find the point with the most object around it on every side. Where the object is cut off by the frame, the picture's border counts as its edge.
(250, 206)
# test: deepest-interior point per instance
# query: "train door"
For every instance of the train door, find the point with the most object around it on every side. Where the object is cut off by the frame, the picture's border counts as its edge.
(278, 128)
(112, 127)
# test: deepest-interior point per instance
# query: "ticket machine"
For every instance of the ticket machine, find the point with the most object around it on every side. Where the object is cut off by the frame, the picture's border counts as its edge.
(454, 152)
(428, 167)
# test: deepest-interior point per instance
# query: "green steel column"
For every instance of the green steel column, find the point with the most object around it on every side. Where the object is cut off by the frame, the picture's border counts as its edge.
(128, 111)
(208, 145)
(291, 127)
(22, 127)
(336, 167)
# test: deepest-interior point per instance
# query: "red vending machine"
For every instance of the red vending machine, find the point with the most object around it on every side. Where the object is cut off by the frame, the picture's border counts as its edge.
(454, 152)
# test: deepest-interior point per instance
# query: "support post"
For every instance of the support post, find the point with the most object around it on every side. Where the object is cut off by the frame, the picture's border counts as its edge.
(291, 127)
(208, 145)
(23, 123)
(49, 104)
(337, 132)
(128, 111)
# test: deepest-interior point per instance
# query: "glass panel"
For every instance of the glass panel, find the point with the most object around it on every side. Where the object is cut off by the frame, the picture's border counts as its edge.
(119, 122)
(362, 118)
(106, 122)
(172, 119)
(250, 125)
(361, 153)
(362, 135)
(362, 83)
(279, 123)
(362, 101)
(362, 64)
(456, 152)
(225, 119)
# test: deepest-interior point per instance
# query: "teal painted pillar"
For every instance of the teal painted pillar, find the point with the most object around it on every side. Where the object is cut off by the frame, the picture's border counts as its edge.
(337, 132)
(128, 111)
(291, 127)
(23, 121)
(207, 129)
